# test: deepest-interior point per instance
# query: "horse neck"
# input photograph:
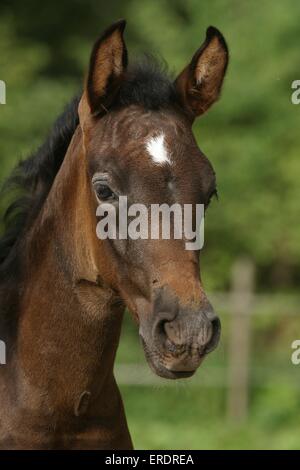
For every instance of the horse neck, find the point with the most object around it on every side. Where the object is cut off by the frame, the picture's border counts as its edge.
(69, 323)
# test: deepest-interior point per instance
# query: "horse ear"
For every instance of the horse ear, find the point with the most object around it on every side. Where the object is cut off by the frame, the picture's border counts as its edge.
(108, 63)
(200, 83)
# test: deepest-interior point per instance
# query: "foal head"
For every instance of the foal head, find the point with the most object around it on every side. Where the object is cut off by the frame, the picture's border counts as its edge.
(138, 142)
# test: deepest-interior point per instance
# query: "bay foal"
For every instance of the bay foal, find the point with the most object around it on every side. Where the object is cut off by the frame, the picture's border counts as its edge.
(63, 291)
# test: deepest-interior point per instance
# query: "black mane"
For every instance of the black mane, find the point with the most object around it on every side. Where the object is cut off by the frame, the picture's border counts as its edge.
(147, 84)
(28, 187)
(32, 179)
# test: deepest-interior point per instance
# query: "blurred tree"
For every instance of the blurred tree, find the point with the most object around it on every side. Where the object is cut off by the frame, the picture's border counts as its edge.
(56, 25)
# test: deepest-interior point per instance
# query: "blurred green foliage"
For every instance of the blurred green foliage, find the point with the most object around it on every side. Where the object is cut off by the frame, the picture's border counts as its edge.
(250, 137)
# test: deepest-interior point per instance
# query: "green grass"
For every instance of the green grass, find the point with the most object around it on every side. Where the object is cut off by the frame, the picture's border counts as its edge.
(195, 418)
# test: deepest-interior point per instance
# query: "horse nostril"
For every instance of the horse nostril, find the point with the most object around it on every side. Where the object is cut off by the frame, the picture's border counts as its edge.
(177, 334)
(215, 335)
(160, 329)
(172, 333)
(167, 331)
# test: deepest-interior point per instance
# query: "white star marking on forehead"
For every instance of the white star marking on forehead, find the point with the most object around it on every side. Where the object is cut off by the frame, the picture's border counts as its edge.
(157, 149)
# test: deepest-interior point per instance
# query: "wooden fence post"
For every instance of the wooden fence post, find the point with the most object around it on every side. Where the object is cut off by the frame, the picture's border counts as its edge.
(243, 273)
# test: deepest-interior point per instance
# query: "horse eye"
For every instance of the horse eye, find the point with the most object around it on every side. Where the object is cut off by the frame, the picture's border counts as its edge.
(104, 192)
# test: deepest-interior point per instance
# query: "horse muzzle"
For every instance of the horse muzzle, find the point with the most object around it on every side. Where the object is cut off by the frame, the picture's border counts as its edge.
(175, 343)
